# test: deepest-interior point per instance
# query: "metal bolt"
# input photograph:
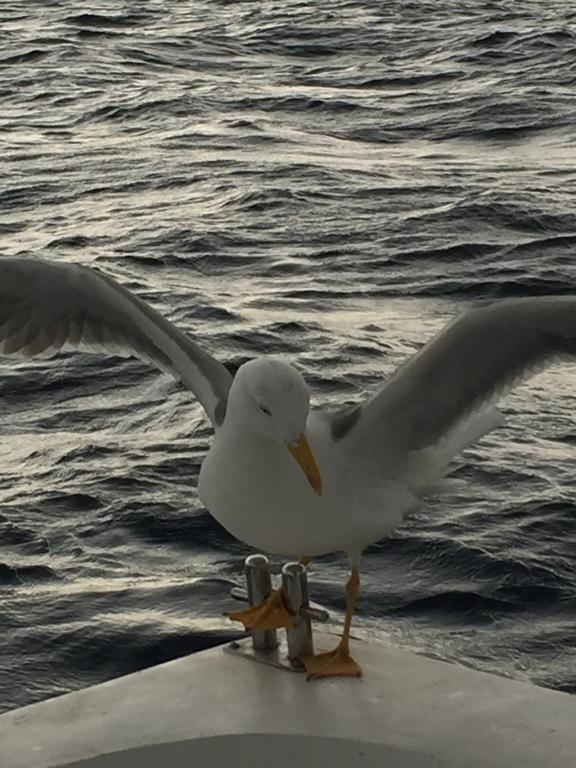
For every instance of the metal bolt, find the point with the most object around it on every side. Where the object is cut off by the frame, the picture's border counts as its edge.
(295, 586)
(259, 586)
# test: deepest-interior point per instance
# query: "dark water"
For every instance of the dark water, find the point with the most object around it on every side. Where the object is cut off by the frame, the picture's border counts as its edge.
(328, 181)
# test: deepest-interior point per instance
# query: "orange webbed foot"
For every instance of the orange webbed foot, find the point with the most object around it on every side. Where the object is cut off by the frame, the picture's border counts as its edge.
(336, 663)
(272, 613)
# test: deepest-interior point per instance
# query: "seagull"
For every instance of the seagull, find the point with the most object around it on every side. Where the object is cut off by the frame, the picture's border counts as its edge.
(279, 476)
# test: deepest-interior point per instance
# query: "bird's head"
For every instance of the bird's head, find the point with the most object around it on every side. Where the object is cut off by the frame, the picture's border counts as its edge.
(276, 400)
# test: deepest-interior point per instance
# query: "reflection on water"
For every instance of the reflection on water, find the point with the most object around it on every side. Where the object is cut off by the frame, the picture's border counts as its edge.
(327, 184)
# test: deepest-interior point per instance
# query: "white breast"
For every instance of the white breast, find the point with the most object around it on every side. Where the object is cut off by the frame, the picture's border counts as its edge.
(257, 491)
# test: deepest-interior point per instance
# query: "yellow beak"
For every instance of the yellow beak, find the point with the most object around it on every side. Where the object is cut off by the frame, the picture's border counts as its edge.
(303, 455)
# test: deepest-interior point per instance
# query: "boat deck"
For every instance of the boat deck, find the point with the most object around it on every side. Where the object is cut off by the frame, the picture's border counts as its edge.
(407, 712)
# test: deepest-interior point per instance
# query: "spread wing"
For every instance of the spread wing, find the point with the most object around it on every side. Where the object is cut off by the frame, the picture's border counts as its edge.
(459, 374)
(47, 307)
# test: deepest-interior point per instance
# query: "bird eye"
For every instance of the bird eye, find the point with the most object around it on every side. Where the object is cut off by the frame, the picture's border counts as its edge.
(265, 410)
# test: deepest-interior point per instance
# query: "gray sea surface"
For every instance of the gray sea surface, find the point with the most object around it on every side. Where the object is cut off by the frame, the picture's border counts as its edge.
(326, 181)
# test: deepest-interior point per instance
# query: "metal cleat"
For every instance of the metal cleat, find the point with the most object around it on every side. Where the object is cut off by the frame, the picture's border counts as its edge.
(299, 639)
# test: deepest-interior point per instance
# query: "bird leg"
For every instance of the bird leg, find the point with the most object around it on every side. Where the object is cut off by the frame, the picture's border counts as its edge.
(271, 613)
(339, 662)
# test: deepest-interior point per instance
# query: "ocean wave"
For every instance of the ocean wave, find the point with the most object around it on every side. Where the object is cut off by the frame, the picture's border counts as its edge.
(25, 575)
(273, 178)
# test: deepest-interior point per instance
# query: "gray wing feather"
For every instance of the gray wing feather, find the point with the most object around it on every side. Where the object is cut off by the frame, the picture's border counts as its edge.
(48, 307)
(471, 363)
